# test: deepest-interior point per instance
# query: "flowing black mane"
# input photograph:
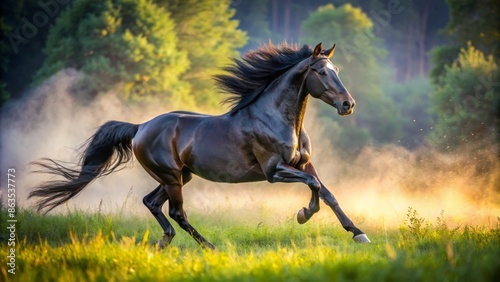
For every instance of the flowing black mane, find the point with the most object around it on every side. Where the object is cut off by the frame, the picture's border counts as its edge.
(249, 76)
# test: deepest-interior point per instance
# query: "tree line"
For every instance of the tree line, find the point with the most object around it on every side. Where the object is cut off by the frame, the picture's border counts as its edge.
(420, 73)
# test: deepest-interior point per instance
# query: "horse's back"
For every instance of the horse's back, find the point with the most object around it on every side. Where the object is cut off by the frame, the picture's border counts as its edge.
(188, 113)
(168, 121)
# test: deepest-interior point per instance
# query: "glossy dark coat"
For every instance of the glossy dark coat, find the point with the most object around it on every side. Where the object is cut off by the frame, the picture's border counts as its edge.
(261, 138)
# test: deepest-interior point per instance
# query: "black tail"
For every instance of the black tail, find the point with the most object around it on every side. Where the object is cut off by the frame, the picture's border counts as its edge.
(107, 149)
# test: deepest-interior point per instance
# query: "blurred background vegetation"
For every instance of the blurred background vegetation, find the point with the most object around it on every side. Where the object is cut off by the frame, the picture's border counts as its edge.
(424, 73)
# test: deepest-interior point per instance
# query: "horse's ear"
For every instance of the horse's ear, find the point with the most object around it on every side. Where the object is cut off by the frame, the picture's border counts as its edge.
(329, 52)
(317, 50)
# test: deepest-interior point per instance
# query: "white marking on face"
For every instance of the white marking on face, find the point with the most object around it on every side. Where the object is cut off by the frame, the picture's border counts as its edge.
(332, 67)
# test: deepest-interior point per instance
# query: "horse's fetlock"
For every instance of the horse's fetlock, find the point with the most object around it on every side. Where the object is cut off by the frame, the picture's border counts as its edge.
(314, 184)
(170, 233)
(176, 215)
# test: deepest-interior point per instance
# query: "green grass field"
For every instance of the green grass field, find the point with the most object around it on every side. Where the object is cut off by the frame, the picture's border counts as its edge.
(93, 247)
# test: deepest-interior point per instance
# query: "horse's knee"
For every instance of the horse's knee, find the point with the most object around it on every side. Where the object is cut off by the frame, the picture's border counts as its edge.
(154, 201)
(153, 206)
(146, 202)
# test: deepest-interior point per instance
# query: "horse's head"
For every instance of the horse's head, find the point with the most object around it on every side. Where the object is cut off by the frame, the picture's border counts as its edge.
(323, 82)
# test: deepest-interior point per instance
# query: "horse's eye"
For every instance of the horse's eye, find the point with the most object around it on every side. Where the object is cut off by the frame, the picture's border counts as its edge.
(322, 72)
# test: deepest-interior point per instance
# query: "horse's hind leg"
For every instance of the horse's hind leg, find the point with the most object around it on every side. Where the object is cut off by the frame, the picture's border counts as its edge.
(176, 211)
(154, 202)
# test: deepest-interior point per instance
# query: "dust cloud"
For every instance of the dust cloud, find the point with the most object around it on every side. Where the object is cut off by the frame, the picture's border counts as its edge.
(375, 189)
(50, 122)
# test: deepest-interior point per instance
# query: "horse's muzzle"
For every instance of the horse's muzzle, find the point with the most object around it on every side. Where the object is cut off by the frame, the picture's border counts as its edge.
(346, 108)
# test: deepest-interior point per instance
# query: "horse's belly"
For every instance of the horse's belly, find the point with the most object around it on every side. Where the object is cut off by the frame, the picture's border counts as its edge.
(231, 172)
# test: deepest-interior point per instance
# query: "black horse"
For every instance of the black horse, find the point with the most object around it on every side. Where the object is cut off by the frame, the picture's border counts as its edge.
(262, 134)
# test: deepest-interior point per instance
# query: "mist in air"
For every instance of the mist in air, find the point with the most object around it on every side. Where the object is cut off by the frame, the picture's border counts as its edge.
(375, 187)
(424, 134)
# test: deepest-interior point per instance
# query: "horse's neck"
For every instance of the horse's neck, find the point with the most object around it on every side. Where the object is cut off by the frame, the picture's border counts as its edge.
(286, 99)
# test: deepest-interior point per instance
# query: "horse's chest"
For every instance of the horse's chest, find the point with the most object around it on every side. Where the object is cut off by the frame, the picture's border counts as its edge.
(295, 152)
(286, 143)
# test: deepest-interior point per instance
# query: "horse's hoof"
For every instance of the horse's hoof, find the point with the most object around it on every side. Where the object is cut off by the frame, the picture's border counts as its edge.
(161, 245)
(301, 216)
(361, 238)
(209, 246)
(164, 242)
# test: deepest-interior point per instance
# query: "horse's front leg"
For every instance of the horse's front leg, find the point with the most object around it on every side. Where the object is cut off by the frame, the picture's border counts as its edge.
(287, 173)
(330, 200)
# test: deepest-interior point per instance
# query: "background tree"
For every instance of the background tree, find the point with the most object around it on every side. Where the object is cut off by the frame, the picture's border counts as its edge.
(465, 76)
(470, 21)
(172, 48)
(467, 102)
(127, 44)
(358, 55)
(23, 38)
(477, 22)
(210, 37)
(408, 28)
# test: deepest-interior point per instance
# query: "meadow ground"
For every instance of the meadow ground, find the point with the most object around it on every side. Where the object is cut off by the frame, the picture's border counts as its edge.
(81, 246)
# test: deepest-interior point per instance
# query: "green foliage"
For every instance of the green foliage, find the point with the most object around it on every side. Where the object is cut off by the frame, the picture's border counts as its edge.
(474, 21)
(441, 57)
(71, 248)
(210, 37)
(415, 227)
(466, 101)
(127, 44)
(358, 57)
(347, 26)
(141, 48)
(466, 98)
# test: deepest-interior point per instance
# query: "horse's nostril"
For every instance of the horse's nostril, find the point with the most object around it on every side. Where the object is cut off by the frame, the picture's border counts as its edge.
(346, 105)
